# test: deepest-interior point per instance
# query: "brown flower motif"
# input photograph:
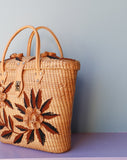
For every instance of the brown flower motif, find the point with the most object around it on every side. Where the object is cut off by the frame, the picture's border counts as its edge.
(3, 96)
(35, 116)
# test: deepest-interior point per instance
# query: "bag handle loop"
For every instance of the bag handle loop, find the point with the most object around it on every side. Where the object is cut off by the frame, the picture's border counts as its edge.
(37, 47)
(46, 28)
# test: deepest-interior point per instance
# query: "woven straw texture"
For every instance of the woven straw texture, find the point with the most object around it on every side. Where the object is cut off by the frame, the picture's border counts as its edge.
(40, 116)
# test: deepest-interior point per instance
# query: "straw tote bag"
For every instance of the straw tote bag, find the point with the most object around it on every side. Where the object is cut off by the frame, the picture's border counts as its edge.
(36, 98)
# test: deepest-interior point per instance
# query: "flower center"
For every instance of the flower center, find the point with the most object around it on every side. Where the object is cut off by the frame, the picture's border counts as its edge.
(33, 118)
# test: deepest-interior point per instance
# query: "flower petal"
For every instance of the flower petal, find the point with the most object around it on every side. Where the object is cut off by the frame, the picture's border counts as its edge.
(45, 105)
(2, 125)
(20, 108)
(26, 100)
(6, 134)
(8, 87)
(30, 136)
(8, 103)
(50, 128)
(18, 118)
(49, 115)
(22, 128)
(38, 99)
(40, 136)
(11, 123)
(18, 138)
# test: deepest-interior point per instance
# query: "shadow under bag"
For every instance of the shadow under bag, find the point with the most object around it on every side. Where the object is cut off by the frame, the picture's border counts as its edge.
(36, 97)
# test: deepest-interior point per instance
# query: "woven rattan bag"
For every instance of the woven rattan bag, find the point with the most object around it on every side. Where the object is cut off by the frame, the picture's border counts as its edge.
(36, 98)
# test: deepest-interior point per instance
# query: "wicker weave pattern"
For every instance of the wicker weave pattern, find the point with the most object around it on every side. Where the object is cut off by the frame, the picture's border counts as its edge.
(46, 63)
(57, 87)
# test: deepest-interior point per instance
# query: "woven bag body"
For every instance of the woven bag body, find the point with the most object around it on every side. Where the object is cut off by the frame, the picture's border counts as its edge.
(36, 101)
